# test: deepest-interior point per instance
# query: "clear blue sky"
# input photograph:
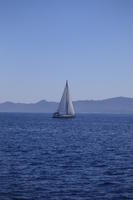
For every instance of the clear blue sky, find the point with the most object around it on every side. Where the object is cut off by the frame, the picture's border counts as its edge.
(45, 42)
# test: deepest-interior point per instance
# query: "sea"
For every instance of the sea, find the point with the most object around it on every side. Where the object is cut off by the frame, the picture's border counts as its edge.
(89, 157)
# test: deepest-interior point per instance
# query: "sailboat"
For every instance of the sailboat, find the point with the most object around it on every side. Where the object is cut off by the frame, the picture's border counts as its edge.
(65, 108)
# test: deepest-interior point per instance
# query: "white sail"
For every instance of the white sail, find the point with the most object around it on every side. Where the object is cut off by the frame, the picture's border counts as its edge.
(66, 106)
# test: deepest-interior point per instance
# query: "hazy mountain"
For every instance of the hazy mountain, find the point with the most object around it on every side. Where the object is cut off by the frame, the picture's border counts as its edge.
(112, 105)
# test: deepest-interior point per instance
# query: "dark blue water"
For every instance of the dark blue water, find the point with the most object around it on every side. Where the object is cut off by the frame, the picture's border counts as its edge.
(86, 158)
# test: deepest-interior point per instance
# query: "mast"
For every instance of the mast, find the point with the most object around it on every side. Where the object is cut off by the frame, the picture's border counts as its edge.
(67, 97)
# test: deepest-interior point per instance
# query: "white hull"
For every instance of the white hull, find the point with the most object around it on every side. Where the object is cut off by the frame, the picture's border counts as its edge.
(55, 115)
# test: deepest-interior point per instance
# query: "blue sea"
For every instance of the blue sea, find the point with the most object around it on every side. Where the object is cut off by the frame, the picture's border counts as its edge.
(89, 157)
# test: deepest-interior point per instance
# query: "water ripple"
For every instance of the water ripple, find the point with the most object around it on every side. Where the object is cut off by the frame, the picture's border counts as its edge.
(86, 158)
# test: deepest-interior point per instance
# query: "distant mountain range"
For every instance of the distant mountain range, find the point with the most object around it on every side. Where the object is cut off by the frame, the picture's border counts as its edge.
(118, 105)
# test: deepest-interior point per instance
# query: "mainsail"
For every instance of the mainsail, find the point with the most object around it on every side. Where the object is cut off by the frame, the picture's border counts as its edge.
(66, 106)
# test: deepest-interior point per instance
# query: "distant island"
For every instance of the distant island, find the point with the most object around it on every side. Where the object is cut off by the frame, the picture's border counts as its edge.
(118, 105)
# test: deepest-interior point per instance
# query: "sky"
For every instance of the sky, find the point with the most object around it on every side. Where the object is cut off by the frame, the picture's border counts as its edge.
(43, 43)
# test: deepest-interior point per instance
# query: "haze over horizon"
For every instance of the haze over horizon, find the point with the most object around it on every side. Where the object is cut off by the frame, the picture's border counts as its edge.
(43, 43)
(76, 100)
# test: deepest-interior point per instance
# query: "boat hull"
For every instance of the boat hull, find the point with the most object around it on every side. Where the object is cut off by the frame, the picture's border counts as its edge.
(55, 115)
